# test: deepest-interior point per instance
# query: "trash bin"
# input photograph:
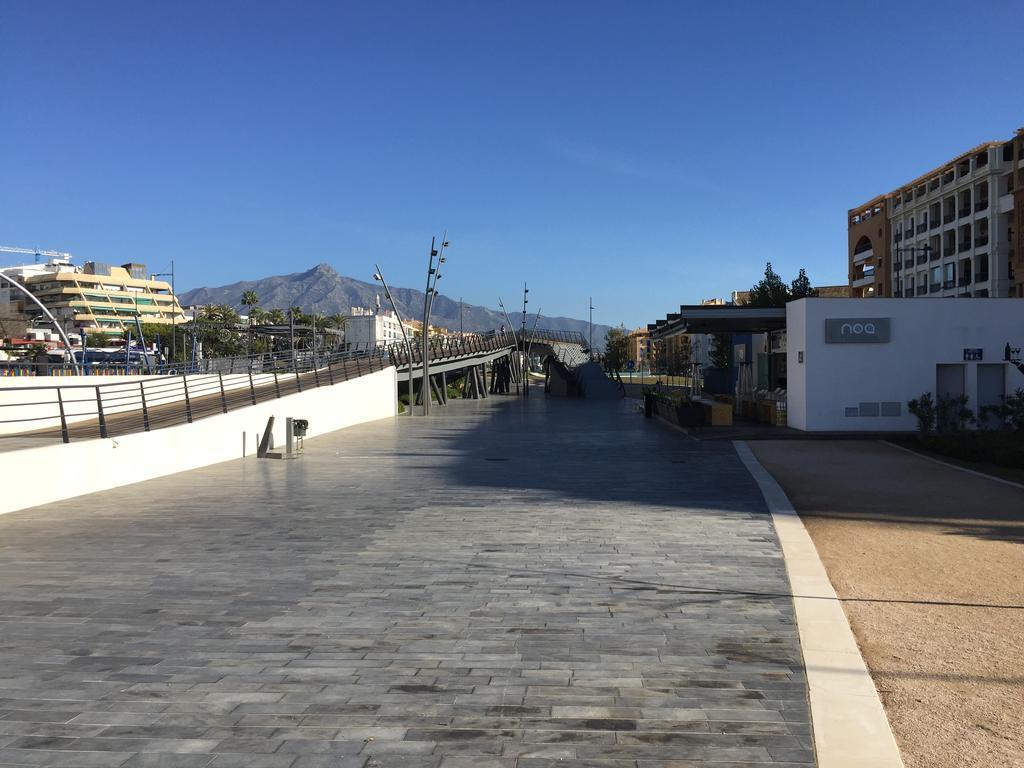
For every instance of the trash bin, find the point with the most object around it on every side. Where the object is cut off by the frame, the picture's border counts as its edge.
(299, 427)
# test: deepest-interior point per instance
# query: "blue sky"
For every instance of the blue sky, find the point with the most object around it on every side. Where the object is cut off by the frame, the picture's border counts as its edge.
(648, 154)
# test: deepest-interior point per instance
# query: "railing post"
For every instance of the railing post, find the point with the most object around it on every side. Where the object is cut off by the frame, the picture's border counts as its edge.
(298, 381)
(145, 410)
(330, 371)
(99, 413)
(223, 398)
(252, 389)
(316, 375)
(188, 402)
(277, 384)
(63, 419)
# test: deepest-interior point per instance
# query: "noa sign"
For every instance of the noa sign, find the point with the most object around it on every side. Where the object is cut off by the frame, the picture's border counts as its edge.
(857, 330)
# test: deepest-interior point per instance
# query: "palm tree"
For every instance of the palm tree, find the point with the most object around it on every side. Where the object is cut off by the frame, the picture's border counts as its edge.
(337, 320)
(250, 299)
(277, 317)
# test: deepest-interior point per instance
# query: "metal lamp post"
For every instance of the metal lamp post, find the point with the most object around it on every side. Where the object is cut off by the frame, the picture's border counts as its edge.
(433, 275)
(591, 327)
(379, 276)
(512, 330)
(522, 336)
(174, 309)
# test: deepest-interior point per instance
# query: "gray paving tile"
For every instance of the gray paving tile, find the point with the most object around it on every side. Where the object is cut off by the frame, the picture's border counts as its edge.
(560, 583)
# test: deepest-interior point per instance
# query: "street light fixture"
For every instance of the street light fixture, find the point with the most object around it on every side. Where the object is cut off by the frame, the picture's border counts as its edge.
(522, 336)
(591, 327)
(433, 275)
(379, 277)
(512, 330)
(174, 309)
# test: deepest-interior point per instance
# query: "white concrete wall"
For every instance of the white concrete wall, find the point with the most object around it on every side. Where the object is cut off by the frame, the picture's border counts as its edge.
(796, 372)
(97, 465)
(924, 333)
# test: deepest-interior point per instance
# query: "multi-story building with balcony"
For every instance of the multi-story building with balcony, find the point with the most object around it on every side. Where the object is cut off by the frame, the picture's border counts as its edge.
(100, 298)
(957, 230)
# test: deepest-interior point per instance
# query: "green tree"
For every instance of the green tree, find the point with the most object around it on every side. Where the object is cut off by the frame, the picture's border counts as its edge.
(801, 287)
(720, 353)
(337, 321)
(250, 299)
(277, 317)
(616, 349)
(770, 291)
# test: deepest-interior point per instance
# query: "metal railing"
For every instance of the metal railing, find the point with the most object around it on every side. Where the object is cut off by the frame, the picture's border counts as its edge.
(207, 388)
(136, 364)
(565, 337)
(446, 348)
(83, 411)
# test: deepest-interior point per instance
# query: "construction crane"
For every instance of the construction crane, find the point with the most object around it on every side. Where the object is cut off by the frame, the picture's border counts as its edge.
(37, 252)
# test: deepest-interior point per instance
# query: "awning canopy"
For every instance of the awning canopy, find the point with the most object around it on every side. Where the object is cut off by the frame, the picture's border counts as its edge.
(719, 318)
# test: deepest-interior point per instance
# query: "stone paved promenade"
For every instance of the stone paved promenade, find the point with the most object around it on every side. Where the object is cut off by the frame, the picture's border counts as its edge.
(557, 584)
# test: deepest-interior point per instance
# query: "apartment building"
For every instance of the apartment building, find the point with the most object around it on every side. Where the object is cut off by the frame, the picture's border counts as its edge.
(957, 230)
(100, 298)
(639, 345)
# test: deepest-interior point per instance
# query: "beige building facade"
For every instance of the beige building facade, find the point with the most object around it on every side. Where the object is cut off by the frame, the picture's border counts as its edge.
(957, 230)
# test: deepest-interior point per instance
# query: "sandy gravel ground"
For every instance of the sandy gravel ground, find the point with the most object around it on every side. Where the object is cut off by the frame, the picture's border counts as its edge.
(929, 562)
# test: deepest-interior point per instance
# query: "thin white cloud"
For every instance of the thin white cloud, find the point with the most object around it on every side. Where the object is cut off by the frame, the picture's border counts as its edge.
(619, 164)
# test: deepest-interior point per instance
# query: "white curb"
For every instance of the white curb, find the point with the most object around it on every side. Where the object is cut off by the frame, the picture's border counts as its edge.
(850, 727)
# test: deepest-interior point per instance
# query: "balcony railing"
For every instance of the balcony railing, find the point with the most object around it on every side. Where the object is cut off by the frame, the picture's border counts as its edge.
(922, 228)
(935, 222)
(949, 218)
(981, 205)
(922, 258)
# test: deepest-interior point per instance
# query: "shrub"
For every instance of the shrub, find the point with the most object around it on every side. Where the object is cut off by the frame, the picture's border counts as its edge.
(952, 413)
(923, 408)
(1010, 413)
(1002, 448)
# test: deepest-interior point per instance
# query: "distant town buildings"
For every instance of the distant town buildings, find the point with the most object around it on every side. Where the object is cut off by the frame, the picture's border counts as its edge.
(957, 230)
(99, 298)
(639, 347)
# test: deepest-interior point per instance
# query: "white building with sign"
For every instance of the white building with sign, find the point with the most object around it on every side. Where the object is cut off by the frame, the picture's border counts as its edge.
(368, 328)
(853, 365)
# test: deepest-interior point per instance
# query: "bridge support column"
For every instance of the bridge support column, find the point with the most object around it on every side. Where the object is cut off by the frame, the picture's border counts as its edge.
(481, 371)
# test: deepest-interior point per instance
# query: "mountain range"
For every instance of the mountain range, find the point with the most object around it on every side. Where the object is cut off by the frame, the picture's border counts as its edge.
(322, 289)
